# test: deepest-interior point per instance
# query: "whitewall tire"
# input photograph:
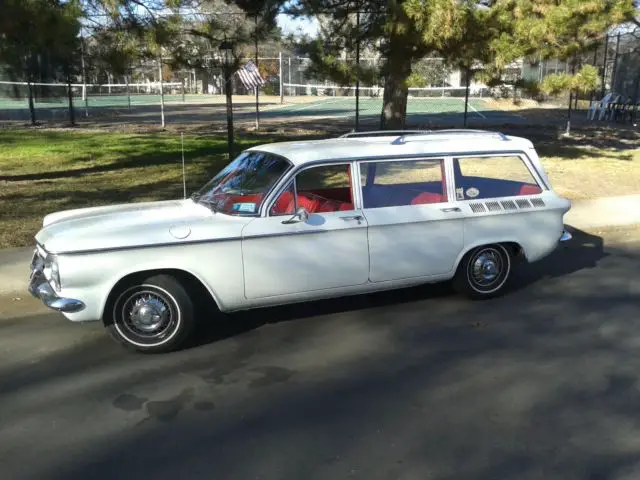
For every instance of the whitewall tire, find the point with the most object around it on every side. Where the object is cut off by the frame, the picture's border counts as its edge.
(484, 272)
(152, 315)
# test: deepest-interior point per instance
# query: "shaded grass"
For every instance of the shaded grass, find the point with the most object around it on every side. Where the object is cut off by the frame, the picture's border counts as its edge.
(42, 171)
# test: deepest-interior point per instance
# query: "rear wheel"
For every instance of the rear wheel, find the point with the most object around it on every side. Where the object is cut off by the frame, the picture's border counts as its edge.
(483, 272)
(152, 315)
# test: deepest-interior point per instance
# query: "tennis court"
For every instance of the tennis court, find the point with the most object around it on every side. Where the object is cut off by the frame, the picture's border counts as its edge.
(424, 106)
(345, 106)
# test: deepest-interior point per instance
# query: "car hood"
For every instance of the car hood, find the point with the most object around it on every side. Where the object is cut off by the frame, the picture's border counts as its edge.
(135, 225)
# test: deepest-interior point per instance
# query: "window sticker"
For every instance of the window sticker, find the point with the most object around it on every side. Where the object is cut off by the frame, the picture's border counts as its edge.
(459, 193)
(473, 192)
(244, 207)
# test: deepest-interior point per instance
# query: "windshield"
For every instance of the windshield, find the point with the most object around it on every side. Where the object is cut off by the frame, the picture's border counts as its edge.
(240, 187)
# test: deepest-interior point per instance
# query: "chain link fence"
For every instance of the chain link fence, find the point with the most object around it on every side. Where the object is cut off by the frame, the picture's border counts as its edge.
(438, 95)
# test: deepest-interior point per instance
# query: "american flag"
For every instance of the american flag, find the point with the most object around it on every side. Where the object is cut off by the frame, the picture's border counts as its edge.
(250, 76)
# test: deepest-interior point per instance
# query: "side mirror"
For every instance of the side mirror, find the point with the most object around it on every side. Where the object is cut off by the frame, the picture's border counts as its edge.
(301, 215)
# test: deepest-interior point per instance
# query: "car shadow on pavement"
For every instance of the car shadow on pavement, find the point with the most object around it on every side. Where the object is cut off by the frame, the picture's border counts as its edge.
(583, 251)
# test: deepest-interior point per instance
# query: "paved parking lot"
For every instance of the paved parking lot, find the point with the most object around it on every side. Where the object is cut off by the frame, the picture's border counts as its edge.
(413, 384)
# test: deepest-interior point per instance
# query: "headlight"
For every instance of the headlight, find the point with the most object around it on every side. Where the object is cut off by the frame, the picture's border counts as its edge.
(51, 271)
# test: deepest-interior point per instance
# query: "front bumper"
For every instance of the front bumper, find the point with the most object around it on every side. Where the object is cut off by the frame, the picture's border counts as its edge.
(39, 287)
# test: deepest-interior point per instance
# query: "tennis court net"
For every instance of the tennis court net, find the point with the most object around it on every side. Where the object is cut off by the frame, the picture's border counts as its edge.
(291, 89)
(16, 94)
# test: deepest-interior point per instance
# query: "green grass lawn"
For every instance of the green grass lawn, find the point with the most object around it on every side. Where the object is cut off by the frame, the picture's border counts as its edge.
(42, 171)
(46, 171)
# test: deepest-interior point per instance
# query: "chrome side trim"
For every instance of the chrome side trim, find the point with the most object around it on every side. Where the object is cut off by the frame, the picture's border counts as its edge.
(285, 234)
(148, 245)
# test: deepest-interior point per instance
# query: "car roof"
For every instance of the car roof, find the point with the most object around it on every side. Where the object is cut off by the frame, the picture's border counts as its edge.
(380, 144)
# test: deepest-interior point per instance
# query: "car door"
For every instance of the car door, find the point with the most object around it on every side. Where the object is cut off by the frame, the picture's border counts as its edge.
(414, 228)
(285, 255)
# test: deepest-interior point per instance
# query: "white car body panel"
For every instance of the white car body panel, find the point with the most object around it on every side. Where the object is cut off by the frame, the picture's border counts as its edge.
(255, 261)
(327, 251)
(413, 241)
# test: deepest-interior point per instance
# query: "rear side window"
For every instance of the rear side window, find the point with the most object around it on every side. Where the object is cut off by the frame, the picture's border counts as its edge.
(493, 177)
(399, 183)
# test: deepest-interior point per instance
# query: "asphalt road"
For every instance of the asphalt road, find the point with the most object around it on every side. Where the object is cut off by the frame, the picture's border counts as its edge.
(415, 384)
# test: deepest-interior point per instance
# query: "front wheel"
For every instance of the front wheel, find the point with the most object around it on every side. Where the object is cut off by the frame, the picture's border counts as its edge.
(483, 272)
(153, 315)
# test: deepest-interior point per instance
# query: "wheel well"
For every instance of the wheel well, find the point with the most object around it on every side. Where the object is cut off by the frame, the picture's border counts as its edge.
(515, 250)
(200, 295)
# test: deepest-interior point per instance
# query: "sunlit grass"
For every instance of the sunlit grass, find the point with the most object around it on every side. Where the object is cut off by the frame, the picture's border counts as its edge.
(43, 171)
(46, 171)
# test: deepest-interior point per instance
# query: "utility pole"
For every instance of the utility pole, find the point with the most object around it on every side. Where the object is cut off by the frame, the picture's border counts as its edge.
(257, 86)
(466, 96)
(357, 69)
(281, 77)
(604, 66)
(84, 78)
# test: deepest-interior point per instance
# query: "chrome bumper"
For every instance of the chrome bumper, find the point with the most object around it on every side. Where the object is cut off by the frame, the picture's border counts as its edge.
(39, 287)
(565, 237)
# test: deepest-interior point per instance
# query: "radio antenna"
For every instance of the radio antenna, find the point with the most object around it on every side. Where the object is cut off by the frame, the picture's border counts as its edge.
(184, 179)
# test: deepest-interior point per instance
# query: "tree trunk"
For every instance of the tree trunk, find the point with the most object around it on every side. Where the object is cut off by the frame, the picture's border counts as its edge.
(32, 109)
(568, 128)
(394, 107)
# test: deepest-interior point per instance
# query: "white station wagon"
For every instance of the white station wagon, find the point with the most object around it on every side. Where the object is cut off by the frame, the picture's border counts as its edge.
(296, 221)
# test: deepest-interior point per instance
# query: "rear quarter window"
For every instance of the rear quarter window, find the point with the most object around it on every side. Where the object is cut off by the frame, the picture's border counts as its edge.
(493, 177)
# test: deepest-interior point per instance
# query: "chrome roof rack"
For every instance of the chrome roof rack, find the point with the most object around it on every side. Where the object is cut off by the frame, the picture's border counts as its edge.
(455, 131)
(384, 133)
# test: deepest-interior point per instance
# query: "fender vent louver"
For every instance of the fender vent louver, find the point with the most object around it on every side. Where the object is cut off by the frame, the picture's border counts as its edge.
(506, 205)
(509, 205)
(477, 207)
(493, 206)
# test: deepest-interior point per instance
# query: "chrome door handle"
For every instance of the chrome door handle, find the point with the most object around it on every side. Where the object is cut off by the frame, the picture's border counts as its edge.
(452, 209)
(359, 218)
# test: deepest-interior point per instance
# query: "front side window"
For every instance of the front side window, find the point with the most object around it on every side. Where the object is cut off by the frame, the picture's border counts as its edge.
(400, 183)
(325, 188)
(240, 187)
(493, 177)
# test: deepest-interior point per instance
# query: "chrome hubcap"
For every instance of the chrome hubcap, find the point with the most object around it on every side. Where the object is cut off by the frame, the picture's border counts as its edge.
(148, 313)
(486, 267)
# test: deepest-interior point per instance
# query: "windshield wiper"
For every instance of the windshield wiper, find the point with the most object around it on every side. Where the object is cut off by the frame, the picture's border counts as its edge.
(195, 197)
(209, 203)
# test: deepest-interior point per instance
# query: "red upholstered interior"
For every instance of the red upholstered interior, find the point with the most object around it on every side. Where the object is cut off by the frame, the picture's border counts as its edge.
(310, 201)
(528, 189)
(427, 197)
(317, 200)
(282, 204)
